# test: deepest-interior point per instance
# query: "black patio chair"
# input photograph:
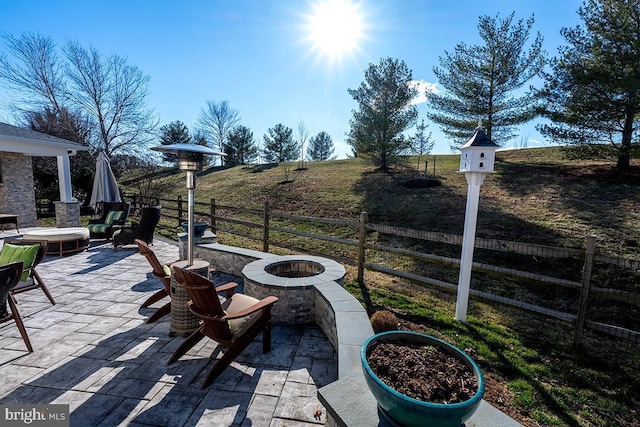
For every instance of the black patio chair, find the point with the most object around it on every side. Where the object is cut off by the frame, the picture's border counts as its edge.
(127, 234)
(113, 214)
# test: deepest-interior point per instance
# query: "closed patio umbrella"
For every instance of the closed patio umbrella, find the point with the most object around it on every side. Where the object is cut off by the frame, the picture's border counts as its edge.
(105, 187)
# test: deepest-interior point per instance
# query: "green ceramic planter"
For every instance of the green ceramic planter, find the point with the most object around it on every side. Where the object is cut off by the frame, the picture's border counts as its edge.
(404, 410)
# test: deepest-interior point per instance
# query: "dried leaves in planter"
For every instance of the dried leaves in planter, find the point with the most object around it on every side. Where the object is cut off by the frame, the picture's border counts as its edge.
(423, 372)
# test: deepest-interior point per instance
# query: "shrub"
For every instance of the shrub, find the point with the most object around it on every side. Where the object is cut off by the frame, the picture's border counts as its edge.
(383, 321)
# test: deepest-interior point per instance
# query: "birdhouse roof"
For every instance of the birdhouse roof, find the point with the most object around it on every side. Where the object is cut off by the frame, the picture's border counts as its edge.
(479, 139)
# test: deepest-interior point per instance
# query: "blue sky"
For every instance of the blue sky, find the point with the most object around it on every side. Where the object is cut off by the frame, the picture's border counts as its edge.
(261, 57)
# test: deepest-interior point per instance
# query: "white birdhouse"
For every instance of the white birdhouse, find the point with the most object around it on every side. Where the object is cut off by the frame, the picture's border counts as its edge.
(479, 153)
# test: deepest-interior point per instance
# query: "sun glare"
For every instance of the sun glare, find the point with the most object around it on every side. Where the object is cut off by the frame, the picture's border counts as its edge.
(336, 28)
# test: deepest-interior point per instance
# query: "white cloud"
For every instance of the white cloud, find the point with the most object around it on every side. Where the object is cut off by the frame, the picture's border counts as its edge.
(422, 87)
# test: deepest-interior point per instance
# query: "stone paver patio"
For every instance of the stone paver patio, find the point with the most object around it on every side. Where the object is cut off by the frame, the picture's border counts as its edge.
(94, 351)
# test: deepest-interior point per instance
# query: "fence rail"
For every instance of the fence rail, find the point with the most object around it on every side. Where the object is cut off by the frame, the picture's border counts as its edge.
(271, 227)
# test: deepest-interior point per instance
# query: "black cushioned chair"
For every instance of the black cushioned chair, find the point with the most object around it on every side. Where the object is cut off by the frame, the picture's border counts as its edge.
(127, 234)
(102, 228)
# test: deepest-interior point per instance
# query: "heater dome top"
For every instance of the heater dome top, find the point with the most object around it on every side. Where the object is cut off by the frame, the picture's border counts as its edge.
(190, 148)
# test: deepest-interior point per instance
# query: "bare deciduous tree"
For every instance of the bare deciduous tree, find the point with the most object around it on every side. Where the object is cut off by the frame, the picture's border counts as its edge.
(36, 78)
(303, 135)
(217, 120)
(422, 143)
(106, 91)
(113, 93)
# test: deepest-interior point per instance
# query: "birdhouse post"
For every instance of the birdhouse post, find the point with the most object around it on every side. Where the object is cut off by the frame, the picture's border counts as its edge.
(476, 160)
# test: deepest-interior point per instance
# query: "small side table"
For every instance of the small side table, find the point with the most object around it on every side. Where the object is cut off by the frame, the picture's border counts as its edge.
(183, 322)
(9, 219)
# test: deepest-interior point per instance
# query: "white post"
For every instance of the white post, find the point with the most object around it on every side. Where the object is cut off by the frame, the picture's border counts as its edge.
(474, 182)
(64, 179)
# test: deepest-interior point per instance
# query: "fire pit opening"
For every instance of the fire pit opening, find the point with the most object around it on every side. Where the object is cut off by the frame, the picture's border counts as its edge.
(295, 268)
(293, 279)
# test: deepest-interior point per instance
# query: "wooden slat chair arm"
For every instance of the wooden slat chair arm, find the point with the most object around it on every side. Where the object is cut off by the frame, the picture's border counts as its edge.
(228, 288)
(202, 315)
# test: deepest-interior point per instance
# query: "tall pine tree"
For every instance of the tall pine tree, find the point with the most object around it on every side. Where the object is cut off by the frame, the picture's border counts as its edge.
(480, 82)
(175, 132)
(321, 147)
(593, 91)
(279, 145)
(241, 148)
(384, 112)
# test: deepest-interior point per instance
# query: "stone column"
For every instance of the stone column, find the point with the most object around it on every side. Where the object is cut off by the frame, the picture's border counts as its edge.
(17, 195)
(67, 214)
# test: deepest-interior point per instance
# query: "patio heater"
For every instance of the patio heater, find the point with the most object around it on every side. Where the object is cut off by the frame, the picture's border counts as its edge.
(476, 160)
(190, 159)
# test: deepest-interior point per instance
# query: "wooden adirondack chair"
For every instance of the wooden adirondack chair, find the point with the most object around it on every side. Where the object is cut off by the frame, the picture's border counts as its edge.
(233, 324)
(162, 272)
(9, 278)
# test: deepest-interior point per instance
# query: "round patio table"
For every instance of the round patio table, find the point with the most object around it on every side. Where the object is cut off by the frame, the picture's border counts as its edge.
(64, 240)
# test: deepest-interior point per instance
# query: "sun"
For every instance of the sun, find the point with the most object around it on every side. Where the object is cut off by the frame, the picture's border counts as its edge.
(335, 28)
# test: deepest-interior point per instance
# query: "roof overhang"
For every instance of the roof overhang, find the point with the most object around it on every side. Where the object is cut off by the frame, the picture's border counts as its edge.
(25, 141)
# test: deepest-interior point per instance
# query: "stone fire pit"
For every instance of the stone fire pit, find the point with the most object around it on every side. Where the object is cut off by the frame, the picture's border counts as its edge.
(290, 278)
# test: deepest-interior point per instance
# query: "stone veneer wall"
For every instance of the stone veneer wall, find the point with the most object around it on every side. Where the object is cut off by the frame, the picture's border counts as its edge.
(17, 195)
(227, 259)
(346, 324)
(294, 307)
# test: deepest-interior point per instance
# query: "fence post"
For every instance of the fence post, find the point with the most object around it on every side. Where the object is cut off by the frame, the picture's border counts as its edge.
(584, 291)
(179, 210)
(362, 237)
(265, 228)
(212, 214)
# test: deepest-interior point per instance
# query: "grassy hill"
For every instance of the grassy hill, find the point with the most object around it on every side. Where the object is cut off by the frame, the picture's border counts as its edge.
(548, 196)
(539, 195)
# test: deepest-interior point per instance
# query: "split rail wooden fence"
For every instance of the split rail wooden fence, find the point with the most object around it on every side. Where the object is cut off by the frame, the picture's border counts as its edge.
(358, 249)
